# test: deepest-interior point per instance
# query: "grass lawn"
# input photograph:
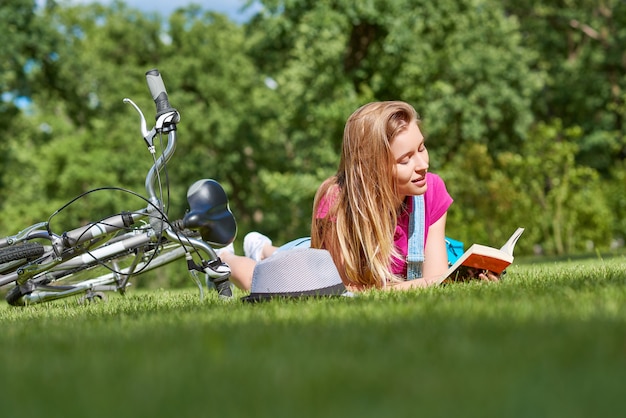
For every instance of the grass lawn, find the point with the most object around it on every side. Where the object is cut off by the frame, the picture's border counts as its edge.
(548, 341)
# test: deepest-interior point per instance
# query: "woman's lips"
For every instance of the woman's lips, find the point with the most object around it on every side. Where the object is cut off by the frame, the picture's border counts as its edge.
(421, 182)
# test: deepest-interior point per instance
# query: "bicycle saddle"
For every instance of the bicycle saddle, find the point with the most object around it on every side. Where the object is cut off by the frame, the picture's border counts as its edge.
(209, 212)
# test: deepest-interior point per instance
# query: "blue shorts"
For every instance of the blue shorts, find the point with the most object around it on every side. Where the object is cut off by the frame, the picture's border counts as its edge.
(304, 242)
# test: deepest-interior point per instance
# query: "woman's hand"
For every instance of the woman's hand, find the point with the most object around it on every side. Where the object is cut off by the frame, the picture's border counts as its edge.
(489, 276)
(470, 273)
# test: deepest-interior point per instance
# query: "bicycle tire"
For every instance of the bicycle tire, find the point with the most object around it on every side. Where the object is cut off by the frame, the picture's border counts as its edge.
(14, 296)
(26, 250)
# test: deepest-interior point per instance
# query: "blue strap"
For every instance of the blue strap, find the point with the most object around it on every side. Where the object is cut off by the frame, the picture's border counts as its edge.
(417, 223)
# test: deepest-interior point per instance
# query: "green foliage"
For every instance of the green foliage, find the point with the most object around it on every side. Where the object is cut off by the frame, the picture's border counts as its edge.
(460, 63)
(88, 136)
(569, 193)
(25, 40)
(561, 204)
(579, 45)
(518, 99)
(550, 335)
(615, 193)
(224, 104)
(490, 203)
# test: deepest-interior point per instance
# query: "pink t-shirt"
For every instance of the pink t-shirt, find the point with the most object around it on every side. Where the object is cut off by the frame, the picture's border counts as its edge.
(437, 200)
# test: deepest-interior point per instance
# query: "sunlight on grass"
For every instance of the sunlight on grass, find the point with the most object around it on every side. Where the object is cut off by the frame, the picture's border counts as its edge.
(548, 340)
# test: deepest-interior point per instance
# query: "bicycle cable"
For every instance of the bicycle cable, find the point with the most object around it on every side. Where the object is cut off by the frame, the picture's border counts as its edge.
(161, 211)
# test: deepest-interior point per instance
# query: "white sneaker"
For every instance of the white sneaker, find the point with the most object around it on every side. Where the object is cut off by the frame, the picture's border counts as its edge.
(230, 248)
(253, 244)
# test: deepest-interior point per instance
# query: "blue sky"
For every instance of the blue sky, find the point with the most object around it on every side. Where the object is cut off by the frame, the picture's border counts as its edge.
(232, 8)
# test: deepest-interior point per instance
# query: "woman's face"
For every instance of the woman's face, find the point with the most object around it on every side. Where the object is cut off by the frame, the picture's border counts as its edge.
(411, 161)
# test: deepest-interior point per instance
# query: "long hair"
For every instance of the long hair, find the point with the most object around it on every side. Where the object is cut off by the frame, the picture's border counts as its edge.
(359, 228)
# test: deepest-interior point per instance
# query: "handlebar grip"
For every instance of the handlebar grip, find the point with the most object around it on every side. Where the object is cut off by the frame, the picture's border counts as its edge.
(159, 94)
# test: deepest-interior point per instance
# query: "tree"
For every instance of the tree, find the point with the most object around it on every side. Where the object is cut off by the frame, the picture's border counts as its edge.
(490, 201)
(79, 135)
(263, 106)
(580, 46)
(230, 115)
(25, 38)
(569, 198)
(460, 63)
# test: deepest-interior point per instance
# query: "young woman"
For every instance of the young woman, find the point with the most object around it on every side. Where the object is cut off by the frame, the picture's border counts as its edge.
(366, 214)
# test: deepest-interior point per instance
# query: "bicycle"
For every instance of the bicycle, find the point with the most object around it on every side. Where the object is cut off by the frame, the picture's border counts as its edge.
(43, 265)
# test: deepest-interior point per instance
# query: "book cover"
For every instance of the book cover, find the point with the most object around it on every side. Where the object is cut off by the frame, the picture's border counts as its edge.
(479, 257)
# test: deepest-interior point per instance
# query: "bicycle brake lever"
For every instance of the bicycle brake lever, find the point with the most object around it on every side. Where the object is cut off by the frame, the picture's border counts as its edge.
(22, 235)
(148, 136)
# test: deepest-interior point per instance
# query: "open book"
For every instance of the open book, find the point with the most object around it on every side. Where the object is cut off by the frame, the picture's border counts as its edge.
(481, 257)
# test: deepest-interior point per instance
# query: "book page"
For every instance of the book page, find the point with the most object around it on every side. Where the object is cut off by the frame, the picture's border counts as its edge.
(509, 246)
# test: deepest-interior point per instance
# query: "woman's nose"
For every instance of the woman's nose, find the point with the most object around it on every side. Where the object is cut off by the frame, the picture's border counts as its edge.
(421, 163)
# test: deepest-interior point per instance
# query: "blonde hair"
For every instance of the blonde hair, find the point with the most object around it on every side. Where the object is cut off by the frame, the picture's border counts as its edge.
(359, 228)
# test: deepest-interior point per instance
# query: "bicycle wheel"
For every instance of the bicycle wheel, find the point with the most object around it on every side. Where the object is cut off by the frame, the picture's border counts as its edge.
(14, 296)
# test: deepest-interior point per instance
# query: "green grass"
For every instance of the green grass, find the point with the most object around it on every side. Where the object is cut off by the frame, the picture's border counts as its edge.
(548, 341)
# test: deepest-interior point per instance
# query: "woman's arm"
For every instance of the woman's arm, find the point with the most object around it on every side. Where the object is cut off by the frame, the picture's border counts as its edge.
(435, 258)
(435, 253)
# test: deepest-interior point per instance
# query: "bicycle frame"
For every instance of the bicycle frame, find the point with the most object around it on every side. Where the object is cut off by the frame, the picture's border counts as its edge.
(113, 281)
